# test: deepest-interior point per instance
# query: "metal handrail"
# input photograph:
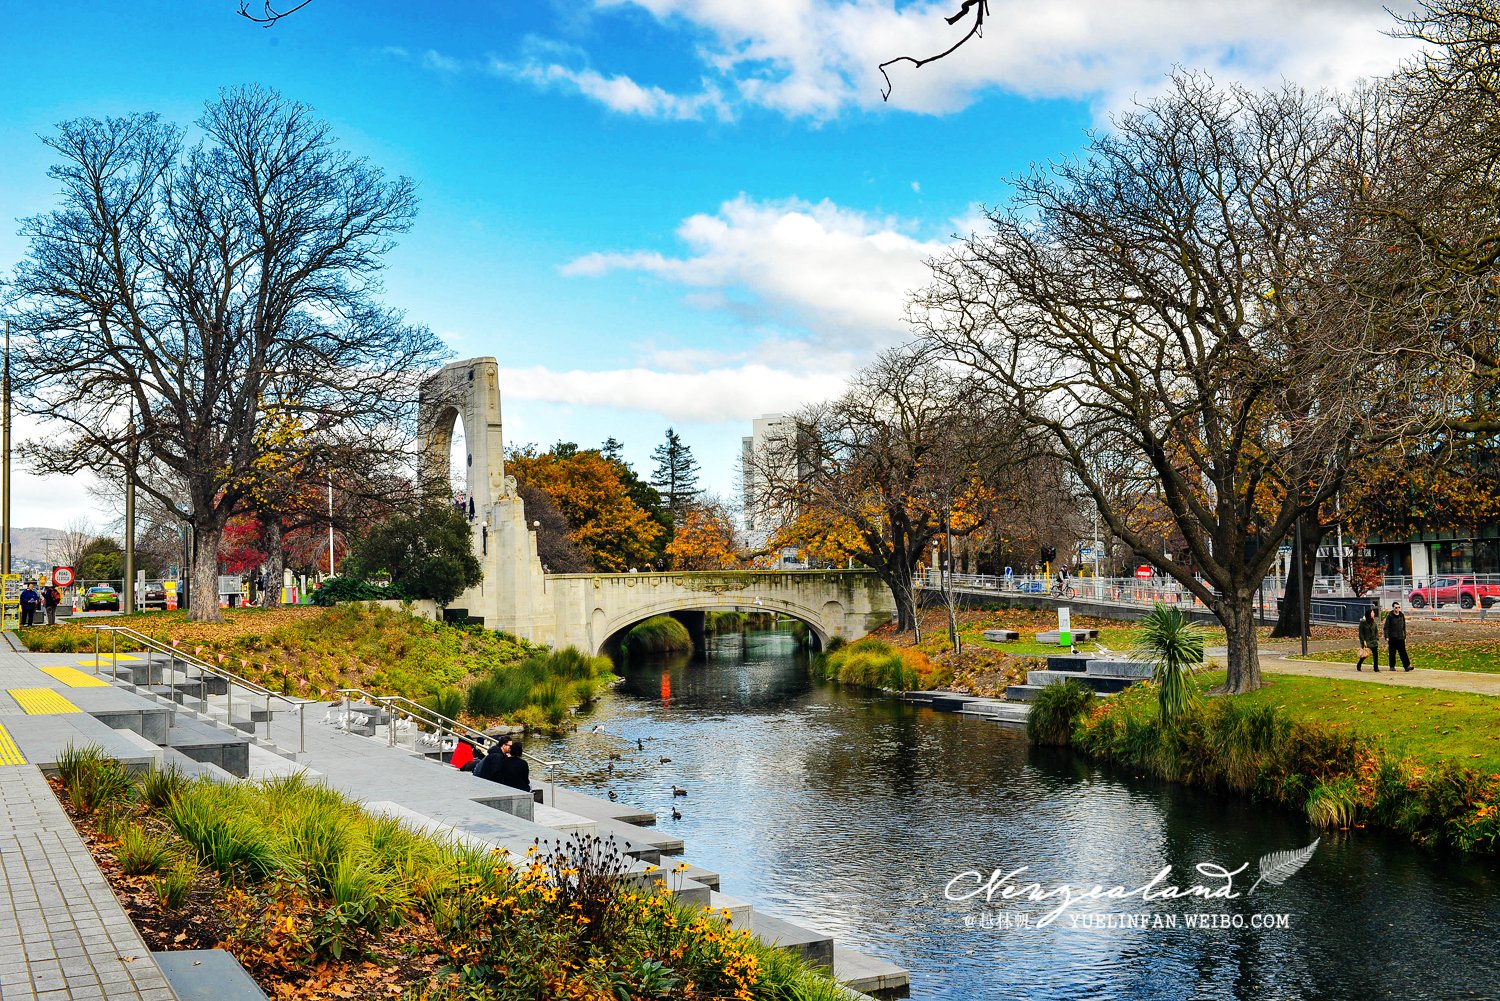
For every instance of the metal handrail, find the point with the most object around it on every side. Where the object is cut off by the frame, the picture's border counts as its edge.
(442, 724)
(230, 678)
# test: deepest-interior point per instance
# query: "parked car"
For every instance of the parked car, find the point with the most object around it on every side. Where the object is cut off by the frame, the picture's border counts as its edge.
(1464, 591)
(101, 596)
(155, 596)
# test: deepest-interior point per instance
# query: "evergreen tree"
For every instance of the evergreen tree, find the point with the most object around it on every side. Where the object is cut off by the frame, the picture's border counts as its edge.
(676, 474)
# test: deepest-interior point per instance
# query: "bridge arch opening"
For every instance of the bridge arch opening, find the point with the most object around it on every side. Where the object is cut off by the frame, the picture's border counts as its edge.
(610, 639)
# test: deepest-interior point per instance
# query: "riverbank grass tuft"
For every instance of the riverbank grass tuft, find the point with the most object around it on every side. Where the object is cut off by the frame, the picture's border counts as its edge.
(659, 634)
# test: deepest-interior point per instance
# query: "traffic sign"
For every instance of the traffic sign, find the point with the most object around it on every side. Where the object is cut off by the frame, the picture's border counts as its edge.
(62, 576)
(1143, 572)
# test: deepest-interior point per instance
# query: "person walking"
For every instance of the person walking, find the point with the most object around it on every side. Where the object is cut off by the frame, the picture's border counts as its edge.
(30, 599)
(1369, 641)
(51, 598)
(1395, 638)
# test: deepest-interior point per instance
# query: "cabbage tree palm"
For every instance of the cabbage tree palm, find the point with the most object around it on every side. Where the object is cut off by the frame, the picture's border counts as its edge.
(1172, 645)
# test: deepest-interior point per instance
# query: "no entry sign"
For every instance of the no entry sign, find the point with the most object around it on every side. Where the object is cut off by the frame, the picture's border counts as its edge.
(1143, 572)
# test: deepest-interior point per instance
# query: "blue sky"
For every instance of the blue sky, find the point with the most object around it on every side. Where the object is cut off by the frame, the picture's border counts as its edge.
(656, 212)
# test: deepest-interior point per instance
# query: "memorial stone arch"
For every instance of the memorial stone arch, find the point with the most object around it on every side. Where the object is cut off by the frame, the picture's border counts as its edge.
(583, 610)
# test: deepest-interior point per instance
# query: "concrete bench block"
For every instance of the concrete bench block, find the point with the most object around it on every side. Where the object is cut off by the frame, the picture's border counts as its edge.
(1001, 635)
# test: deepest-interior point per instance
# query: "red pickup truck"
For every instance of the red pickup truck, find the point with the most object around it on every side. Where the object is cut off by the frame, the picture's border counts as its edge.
(1464, 591)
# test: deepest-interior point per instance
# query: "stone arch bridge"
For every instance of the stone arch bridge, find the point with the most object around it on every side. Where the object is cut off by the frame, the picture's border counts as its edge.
(593, 611)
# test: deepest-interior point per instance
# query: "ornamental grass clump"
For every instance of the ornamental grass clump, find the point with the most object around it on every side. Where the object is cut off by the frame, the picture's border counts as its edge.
(869, 663)
(157, 787)
(1055, 710)
(92, 778)
(141, 853)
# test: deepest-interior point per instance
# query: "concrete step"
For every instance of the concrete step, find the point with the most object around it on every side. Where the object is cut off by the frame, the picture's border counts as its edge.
(194, 768)
(740, 911)
(208, 744)
(997, 709)
(1098, 683)
(563, 822)
(207, 975)
(595, 807)
(698, 874)
(265, 763)
(1072, 663)
(1022, 693)
(868, 974)
(1119, 667)
(813, 946)
(662, 842)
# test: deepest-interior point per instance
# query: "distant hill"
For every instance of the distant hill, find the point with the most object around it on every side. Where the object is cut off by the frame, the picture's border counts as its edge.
(31, 544)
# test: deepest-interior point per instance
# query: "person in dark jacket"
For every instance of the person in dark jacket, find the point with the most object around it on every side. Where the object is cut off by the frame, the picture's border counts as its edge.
(513, 770)
(1395, 638)
(1369, 636)
(489, 766)
(51, 598)
(29, 600)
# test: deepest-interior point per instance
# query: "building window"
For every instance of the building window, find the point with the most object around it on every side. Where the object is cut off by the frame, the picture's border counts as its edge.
(1455, 557)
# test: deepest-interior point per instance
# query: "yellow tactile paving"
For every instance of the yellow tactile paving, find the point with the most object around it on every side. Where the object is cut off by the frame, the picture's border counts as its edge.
(42, 701)
(10, 754)
(74, 678)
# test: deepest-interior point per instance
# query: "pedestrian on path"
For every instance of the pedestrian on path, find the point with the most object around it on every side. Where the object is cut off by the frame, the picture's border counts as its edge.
(1369, 641)
(1395, 638)
(29, 600)
(51, 598)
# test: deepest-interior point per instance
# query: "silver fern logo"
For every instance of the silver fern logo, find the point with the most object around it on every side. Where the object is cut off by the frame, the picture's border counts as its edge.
(1278, 867)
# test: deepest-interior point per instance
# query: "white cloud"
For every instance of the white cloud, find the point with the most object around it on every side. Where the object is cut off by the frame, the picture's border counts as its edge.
(817, 57)
(839, 274)
(711, 396)
(618, 92)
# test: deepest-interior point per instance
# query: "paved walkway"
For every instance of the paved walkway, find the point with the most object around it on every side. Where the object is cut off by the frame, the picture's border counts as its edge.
(1420, 677)
(63, 934)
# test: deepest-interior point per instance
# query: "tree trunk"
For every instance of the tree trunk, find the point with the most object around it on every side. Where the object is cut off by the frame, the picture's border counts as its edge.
(1236, 610)
(275, 565)
(205, 605)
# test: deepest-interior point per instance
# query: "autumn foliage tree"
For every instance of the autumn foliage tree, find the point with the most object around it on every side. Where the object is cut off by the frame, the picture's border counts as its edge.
(612, 532)
(705, 538)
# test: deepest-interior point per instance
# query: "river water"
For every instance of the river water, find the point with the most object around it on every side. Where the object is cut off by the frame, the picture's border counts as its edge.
(853, 814)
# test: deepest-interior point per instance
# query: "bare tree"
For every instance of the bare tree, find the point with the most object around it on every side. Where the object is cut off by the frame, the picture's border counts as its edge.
(74, 540)
(882, 466)
(178, 295)
(1177, 309)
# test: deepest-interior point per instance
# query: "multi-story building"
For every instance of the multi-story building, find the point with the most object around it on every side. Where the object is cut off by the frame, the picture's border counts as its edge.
(762, 446)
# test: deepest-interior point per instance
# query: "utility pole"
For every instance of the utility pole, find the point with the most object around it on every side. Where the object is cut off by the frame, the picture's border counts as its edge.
(330, 523)
(127, 593)
(5, 458)
(1303, 604)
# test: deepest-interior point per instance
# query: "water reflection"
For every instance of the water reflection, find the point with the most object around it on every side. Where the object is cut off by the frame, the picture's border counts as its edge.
(849, 813)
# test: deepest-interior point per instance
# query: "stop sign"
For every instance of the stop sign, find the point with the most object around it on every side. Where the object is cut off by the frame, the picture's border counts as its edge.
(62, 576)
(1143, 572)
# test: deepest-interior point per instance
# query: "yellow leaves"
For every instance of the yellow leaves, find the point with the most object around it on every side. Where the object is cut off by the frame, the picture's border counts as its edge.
(611, 529)
(704, 540)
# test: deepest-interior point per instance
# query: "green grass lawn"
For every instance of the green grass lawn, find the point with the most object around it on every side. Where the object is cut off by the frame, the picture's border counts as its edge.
(1482, 656)
(1421, 723)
